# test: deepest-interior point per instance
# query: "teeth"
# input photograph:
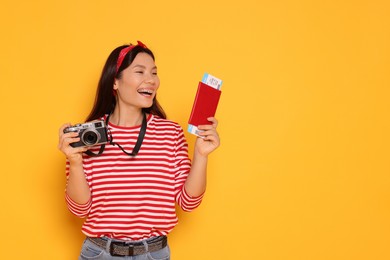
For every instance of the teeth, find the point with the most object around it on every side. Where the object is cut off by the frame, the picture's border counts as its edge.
(149, 91)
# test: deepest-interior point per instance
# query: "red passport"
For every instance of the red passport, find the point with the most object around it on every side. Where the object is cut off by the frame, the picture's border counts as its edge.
(205, 104)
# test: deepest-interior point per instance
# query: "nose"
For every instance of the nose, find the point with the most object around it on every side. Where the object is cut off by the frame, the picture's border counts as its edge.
(151, 78)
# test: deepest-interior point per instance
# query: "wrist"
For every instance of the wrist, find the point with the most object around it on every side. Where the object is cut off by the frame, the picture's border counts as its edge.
(75, 163)
(200, 155)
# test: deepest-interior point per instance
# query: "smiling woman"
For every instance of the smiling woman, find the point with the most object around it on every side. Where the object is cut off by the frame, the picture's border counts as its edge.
(129, 199)
(126, 63)
(136, 86)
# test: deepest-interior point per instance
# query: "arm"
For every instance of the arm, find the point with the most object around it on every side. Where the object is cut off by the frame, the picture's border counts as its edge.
(195, 184)
(77, 189)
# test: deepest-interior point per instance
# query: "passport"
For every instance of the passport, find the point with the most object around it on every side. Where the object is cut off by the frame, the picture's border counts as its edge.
(205, 103)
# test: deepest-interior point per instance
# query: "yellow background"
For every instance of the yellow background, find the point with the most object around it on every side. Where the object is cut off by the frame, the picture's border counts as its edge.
(303, 171)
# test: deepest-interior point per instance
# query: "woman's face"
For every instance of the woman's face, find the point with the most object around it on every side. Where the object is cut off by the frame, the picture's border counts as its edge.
(139, 82)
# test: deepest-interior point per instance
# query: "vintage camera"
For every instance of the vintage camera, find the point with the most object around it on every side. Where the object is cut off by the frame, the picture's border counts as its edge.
(90, 133)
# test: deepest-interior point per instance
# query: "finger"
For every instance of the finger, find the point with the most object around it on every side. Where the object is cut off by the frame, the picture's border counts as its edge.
(66, 139)
(69, 150)
(204, 133)
(213, 125)
(209, 135)
(61, 130)
(214, 121)
(211, 140)
(71, 140)
(206, 127)
(80, 149)
(66, 143)
(69, 136)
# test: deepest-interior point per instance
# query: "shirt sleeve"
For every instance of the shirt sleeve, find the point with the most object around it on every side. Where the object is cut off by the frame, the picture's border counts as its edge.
(80, 210)
(182, 169)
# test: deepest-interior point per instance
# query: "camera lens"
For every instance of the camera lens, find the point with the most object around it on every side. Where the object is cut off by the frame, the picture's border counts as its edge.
(90, 137)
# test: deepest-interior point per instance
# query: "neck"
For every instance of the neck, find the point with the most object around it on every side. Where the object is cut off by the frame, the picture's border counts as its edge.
(126, 117)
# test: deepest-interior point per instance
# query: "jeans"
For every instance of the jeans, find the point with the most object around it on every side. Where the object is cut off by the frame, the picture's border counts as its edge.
(91, 251)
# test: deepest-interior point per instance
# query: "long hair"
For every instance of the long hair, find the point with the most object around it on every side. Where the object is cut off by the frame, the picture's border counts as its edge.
(105, 100)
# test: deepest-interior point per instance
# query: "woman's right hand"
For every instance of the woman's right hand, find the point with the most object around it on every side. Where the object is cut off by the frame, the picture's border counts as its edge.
(73, 154)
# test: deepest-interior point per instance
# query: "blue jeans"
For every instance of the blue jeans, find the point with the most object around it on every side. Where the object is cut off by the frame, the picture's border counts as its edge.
(91, 251)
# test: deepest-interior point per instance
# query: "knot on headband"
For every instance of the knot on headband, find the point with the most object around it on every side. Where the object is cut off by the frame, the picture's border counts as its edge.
(124, 52)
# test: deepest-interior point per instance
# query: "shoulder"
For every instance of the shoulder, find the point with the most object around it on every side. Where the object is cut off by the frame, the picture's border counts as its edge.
(164, 122)
(166, 125)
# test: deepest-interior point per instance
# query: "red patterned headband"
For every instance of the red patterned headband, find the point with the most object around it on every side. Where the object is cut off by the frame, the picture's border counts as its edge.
(124, 52)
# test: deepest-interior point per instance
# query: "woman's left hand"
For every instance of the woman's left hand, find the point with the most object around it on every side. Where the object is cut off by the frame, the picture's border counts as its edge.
(209, 140)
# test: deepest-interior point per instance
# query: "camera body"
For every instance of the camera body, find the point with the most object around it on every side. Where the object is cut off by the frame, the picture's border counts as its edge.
(91, 133)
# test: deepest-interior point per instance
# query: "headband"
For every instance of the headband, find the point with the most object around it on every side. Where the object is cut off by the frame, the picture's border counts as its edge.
(124, 52)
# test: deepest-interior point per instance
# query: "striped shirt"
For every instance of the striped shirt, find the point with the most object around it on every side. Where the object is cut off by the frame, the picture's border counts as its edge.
(134, 198)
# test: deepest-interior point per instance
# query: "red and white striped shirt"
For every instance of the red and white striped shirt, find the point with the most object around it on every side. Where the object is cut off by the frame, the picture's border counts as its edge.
(133, 198)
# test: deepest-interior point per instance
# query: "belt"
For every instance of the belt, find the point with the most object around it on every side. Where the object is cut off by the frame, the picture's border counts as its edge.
(130, 248)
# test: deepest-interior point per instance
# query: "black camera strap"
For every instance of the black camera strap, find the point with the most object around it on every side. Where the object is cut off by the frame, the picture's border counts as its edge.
(140, 138)
(137, 146)
(101, 150)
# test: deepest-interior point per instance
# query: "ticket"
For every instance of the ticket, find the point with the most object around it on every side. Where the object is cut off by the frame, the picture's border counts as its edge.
(212, 81)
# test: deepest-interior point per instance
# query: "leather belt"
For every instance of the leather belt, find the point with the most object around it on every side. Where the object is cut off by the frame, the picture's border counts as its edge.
(130, 248)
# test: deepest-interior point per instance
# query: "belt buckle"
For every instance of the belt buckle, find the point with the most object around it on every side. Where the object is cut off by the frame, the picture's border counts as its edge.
(130, 248)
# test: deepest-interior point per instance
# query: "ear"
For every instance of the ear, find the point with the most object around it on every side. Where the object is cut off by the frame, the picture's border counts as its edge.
(115, 87)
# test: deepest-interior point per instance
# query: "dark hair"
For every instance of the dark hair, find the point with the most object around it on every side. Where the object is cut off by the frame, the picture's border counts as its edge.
(105, 100)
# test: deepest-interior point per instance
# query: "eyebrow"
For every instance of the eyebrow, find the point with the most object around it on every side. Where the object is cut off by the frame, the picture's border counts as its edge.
(143, 67)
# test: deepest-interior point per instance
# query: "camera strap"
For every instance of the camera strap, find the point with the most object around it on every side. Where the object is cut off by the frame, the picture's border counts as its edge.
(137, 146)
(140, 138)
(101, 150)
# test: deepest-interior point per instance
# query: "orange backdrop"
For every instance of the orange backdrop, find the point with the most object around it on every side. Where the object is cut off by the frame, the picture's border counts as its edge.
(303, 171)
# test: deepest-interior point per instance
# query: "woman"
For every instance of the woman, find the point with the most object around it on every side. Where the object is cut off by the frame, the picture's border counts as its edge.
(128, 191)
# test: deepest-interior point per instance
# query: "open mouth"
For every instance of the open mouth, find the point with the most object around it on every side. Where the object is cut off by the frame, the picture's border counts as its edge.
(145, 92)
